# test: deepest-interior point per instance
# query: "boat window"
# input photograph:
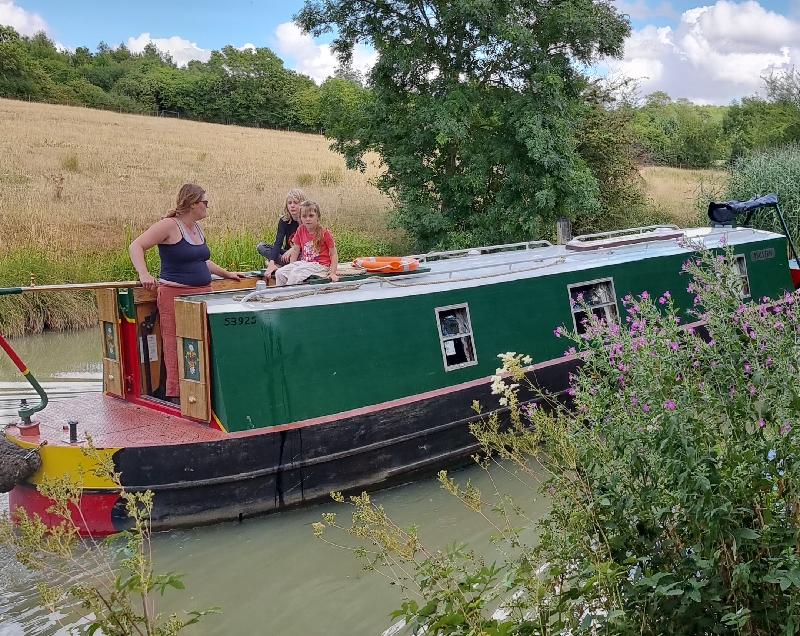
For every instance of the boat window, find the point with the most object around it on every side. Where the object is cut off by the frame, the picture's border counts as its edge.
(741, 265)
(455, 334)
(598, 296)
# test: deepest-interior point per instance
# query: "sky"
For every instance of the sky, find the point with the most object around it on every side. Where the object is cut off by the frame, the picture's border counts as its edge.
(708, 52)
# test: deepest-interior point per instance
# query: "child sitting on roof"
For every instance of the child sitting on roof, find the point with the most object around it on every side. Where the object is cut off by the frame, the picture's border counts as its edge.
(277, 254)
(315, 247)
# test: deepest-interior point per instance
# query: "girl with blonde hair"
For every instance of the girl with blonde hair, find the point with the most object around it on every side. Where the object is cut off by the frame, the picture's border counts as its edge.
(288, 223)
(314, 245)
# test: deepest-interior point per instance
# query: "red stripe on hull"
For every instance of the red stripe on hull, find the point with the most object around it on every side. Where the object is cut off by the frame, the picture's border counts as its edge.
(92, 517)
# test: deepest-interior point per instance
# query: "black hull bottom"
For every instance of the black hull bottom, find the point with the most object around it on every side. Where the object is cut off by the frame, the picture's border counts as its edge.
(241, 477)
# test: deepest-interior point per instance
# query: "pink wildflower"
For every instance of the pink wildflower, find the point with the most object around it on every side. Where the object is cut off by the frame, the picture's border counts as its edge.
(670, 405)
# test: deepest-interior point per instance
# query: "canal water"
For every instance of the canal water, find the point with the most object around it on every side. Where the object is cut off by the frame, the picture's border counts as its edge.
(268, 575)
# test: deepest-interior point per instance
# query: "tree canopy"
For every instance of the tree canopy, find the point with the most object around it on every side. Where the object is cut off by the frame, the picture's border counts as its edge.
(249, 87)
(475, 108)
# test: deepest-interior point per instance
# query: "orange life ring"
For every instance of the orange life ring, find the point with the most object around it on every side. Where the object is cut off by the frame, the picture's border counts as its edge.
(387, 264)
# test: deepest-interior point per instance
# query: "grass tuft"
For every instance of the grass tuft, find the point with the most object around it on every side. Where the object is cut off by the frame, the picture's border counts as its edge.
(71, 162)
(331, 176)
(304, 180)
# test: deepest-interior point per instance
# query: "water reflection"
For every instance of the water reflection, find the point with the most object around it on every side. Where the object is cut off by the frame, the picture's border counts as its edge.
(65, 364)
(73, 354)
(269, 575)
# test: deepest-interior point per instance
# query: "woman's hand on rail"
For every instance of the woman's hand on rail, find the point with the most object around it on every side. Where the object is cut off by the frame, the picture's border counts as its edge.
(233, 275)
(148, 282)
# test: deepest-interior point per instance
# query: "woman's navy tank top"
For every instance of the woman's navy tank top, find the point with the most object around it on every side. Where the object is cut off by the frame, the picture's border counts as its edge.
(184, 262)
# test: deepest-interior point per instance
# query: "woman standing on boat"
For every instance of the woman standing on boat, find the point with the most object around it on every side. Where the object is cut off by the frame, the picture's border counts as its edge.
(186, 267)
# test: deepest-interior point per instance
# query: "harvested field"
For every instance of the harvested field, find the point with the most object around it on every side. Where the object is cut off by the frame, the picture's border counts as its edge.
(81, 179)
(678, 190)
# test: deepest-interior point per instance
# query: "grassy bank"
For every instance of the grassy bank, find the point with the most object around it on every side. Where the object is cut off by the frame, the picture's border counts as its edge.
(76, 185)
(75, 179)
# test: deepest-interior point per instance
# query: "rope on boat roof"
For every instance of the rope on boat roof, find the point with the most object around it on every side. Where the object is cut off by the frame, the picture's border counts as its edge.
(265, 295)
(271, 295)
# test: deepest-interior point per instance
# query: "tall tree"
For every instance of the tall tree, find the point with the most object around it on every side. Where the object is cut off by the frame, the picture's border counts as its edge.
(474, 108)
(17, 76)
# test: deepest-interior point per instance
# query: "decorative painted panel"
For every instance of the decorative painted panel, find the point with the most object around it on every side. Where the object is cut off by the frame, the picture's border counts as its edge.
(191, 360)
(109, 341)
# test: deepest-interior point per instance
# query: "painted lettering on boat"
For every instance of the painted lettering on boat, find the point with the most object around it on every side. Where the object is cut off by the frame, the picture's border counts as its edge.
(235, 321)
(762, 255)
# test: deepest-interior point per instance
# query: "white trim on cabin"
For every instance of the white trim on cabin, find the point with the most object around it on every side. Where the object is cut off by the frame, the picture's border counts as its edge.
(478, 270)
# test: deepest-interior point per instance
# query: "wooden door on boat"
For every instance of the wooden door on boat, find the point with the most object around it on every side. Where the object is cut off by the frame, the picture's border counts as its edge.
(108, 314)
(191, 327)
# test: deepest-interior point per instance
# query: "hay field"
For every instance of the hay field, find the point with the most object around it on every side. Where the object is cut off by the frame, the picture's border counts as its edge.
(82, 180)
(676, 191)
(76, 180)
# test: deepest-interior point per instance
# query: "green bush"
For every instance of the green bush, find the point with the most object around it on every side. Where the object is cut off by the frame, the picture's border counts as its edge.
(675, 495)
(674, 483)
(776, 170)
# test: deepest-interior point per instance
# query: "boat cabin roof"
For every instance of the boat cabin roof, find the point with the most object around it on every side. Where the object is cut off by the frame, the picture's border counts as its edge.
(445, 271)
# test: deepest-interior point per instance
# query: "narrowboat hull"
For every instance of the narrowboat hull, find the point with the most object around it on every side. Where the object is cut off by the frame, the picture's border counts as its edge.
(243, 475)
(289, 394)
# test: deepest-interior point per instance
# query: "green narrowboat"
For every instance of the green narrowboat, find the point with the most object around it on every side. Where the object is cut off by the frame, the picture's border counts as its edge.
(290, 393)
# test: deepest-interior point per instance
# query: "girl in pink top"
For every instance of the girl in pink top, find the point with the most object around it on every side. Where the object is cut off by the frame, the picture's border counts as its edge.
(315, 247)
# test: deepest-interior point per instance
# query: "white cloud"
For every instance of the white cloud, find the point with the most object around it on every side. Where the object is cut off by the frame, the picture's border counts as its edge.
(715, 54)
(182, 51)
(24, 22)
(315, 60)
